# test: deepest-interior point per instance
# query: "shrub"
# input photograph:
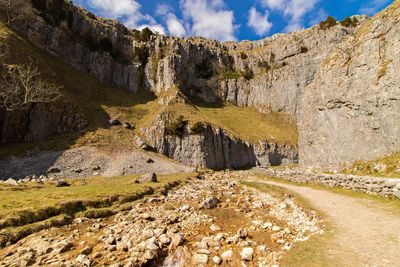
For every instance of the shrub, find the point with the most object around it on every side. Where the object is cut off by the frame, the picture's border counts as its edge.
(349, 22)
(231, 75)
(197, 128)
(143, 35)
(177, 127)
(247, 73)
(243, 55)
(53, 12)
(141, 54)
(303, 49)
(272, 57)
(328, 23)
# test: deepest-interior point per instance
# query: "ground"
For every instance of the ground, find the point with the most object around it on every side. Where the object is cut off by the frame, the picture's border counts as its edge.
(276, 222)
(362, 232)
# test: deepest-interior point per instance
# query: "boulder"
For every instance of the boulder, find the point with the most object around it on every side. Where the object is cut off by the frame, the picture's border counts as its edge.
(114, 122)
(210, 203)
(11, 181)
(128, 126)
(145, 178)
(62, 183)
(140, 143)
(247, 254)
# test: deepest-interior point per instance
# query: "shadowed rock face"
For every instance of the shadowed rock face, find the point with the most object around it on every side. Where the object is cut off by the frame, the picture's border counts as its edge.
(341, 84)
(39, 122)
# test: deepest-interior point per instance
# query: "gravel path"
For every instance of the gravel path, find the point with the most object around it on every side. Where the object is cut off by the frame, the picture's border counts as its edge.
(365, 235)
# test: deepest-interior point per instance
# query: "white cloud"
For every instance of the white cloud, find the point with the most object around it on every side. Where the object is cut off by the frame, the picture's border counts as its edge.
(174, 25)
(126, 11)
(259, 22)
(372, 7)
(293, 10)
(209, 19)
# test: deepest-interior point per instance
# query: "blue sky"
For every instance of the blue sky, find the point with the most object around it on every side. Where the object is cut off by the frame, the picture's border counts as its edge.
(228, 19)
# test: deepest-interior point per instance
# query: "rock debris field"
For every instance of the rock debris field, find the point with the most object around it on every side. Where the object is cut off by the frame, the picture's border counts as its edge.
(211, 220)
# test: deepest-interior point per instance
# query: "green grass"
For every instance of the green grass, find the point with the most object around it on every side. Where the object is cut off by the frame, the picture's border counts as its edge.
(308, 253)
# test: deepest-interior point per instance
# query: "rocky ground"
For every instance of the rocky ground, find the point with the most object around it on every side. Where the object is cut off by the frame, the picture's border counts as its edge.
(213, 220)
(84, 162)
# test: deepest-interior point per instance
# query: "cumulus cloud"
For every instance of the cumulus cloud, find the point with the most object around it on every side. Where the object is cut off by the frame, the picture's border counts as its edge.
(293, 10)
(174, 25)
(126, 11)
(372, 7)
(259, 22)
(209, 18)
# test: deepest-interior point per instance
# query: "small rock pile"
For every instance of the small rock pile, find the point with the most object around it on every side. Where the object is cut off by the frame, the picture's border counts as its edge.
(215, 221)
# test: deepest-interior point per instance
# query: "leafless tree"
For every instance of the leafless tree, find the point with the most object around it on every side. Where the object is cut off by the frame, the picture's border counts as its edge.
(11, 9)
(23, 85)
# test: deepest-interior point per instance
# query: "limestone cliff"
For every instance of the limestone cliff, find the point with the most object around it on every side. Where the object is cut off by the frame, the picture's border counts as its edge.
(341, 83)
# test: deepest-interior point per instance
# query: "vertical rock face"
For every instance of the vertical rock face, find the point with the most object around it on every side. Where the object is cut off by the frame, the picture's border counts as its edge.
(213, 148)
(39, 122)
(341, 84)
(351, 111)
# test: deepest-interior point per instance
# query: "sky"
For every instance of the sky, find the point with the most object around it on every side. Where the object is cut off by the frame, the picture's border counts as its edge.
(228, 20)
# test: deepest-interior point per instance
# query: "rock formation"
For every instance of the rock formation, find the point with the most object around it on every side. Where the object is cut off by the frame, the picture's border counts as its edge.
(339, 83)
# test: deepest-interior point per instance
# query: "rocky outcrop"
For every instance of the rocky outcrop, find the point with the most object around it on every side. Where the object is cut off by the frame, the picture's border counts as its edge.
(39, 122)
(340, 83)
(351, 111)
(215, 149)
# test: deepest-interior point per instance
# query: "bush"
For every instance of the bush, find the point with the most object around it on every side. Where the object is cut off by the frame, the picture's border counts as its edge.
(143, 35)
(247, 73)
(349, 22)
(303, 49)
(328, 23)
(53, 12)
(264, 65)
(230, 75)
(197, 128)
(177, 127)
(141, 54)
(243, 55)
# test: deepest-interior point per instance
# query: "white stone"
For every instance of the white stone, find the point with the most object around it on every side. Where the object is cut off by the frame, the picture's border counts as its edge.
(247, 254)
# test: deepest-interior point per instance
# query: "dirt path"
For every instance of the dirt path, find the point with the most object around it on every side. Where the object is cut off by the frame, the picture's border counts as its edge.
(364, 234)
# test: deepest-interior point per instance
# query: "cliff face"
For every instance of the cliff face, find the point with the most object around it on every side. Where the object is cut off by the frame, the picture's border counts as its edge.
(339, 83)
(39, 122)
(214, 148)
(351, 110)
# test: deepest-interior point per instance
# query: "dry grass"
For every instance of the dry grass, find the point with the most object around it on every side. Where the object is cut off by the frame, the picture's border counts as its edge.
(30, 208)
(392, 163)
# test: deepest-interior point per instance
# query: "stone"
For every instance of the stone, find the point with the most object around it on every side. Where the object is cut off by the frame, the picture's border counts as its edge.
(201, 258)
(62, 183)
(217, 260)
(210, 203)
(177, 240)
(11, 181)
(146, 178)
(87, 250)
(82, 259)
(227, 255)
(141, 143)
(114, 122)
(149, 160)
(242, 233)
(247, 254)
(215, 228)
(164, 239)
(127, 125)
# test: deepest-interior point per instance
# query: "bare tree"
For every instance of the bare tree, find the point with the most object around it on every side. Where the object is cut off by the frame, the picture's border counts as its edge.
(12, 9)
(23, 85)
